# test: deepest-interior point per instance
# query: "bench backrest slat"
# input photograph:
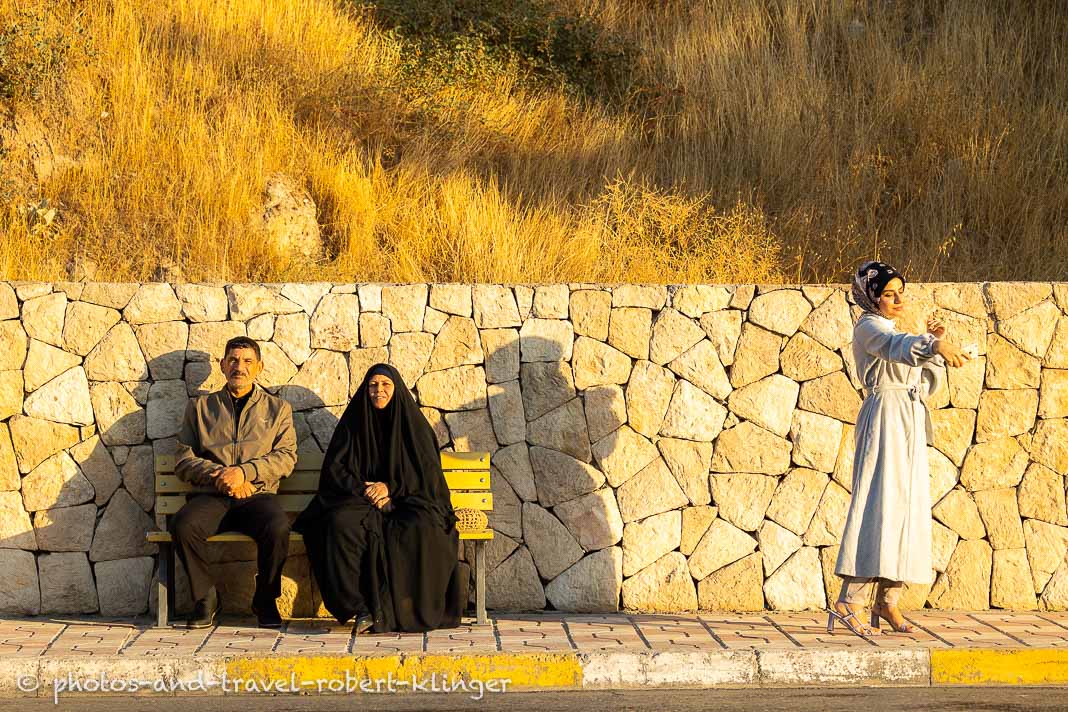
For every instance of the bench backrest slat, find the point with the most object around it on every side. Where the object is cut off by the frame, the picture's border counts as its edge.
(472, 461)
(171, 503)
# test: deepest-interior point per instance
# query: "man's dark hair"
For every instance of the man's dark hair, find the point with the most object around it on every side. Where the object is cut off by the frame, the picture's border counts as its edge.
(242, 342)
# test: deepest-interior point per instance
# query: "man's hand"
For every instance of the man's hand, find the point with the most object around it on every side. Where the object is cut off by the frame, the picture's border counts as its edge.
(242, 491)
(377, 492)
(227, 478)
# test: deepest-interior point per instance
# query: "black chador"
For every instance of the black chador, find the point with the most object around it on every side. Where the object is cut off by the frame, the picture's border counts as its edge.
(399, 566)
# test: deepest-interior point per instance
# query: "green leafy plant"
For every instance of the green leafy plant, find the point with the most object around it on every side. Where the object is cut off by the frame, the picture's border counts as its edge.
(32, 54)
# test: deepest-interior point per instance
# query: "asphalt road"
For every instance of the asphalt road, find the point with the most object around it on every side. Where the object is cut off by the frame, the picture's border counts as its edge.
(968, 699)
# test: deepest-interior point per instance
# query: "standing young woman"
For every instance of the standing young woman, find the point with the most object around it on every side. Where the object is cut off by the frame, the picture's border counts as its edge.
(887, 538)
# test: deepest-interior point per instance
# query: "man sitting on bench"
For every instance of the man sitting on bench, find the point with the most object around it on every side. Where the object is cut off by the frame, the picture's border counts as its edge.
(240, 440)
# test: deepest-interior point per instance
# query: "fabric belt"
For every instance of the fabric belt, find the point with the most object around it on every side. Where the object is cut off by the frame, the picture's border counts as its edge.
(914, 394)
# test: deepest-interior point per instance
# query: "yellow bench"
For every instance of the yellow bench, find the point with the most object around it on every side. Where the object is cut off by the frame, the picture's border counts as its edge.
(467, 474)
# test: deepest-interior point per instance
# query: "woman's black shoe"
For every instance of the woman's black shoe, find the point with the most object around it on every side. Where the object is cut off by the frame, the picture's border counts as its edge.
(267, 614)
(364, 623)
(205, 611)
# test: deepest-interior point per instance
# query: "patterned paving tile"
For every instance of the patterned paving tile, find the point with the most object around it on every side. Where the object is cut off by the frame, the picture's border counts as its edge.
(462, 640)
(166, 641)
(314, 638)
(1031, 628)
(532, 635)
(745, 631)
(81, 639)
(604, 633)
(809, 629)
(27, 638)
(959, 629)
(240, 639)
(389, 644)
(675, 633)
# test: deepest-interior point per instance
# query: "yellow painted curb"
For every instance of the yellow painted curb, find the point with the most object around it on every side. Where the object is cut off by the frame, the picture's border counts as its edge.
(497, 672)
(999, 667)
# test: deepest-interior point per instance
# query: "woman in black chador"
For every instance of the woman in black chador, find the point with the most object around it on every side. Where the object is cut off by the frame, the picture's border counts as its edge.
(381, 532)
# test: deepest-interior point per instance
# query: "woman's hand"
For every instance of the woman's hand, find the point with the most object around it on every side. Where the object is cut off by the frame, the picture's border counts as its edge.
(951, 353)
(936, 327)
(377, 492)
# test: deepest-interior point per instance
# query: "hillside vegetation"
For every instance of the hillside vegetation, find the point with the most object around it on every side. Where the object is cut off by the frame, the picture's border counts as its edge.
(536, 140)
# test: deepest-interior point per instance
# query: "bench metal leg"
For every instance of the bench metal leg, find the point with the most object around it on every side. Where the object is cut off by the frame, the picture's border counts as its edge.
(480, 581)
(163, 587)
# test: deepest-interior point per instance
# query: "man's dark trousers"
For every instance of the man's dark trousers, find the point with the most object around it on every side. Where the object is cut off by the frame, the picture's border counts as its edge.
(259, 516)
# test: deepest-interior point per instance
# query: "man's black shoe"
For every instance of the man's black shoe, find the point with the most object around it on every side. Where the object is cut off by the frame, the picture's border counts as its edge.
(267, 614)
(364, 623)
(206, 610)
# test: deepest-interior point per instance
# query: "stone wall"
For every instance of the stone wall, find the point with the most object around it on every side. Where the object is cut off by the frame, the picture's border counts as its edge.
(654, 448)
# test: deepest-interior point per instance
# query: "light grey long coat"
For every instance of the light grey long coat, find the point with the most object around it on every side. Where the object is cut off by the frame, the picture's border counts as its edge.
(888, 529)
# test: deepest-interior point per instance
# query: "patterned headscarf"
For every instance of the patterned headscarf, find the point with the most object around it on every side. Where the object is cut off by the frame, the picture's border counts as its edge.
(870, 281)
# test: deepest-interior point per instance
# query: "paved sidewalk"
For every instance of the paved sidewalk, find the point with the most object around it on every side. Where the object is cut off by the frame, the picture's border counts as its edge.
(548, 651)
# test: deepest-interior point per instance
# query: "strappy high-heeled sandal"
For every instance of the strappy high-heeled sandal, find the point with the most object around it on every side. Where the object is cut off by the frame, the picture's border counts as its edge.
(850, 621)
(877, 613)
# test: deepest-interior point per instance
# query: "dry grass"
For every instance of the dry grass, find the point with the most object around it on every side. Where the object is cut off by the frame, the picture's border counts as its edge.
(762, 142)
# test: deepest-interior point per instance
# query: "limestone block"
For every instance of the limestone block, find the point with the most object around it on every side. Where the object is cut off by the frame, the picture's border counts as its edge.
(590, 313)
(622, 454)
(651, 491)
(953, 429)
(433, 321)
(648, 395)
(322, 422)
(830, 323)
(781, 311)
(722, 544)
(1046, 548)
(804, 359)
(322, 380)
(36, 440)
(743, 498)
(664, 586)
(12, 345)
(829, 520)
(776, 544)
(494, 307)
(724, 329)
(647, 540)
(962, 298)
(695, 522)
(16, 531)
(118, 416)
(958, 511)
(207, 340)
(832, 585)
(1010, 581)
(1010, 298)
(831, 395)
(817, 440)
(757, 355)
(9, 304)
(989, 465)
(593, 585)
(137, 476)
(1050, 446)
(1001, 516)
(1057, 356)
(635, 295)
(472, 431)
(1032, 330)
(550, 543)
(551, 301)
(26, 290)
(673, 335)
(546, 340)
(457, 344)
(1053, 397)
(562, 429)
(1055, 596)
(66, 528)
(451, 298)
(545, 386)
(117, 357)
(109, 294)
(689, 462)
(798, 584)
(277, 368)
(1009, 367)
(943, 542)
(598, 364)
(965, 584)
(701, 366)
(769, 403)
(1005, 413)
(292, 334)
(9, 469)
(507, 514)
(201, 302)
(606, 410)
(11, 392)
(513, 463)
(123, 585)
(514, 585)
(66, 583)
(501, 347)
(335, 324)
(43, 363)
(1041, 495)
(166, 407)
(506, 411)
(42, 317)
(749, 448)
(736, 587)
(559, 477)
(965, 384)
(20, 589)
(630, 331)
(64, 399)
(524, 299)
(153, 303)
(593, 519)
(437, 424)
(944, 474)
(693, 414)
(698, 299)
(56, 482)
(164, 345)
(250, 300)
(796, 499)
(499, 548)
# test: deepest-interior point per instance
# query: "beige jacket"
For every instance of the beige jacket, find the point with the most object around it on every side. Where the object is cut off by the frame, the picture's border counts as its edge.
(263, 444)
